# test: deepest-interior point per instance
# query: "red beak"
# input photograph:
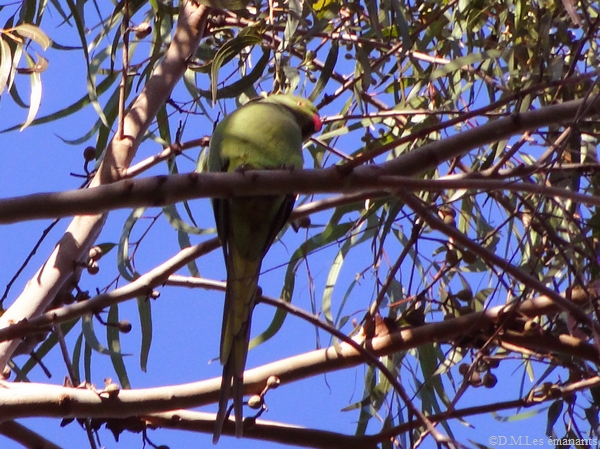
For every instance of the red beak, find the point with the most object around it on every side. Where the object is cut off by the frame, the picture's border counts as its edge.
(317, 123)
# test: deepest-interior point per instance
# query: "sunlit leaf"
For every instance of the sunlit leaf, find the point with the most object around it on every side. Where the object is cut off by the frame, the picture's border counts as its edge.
(459, 63)
(5, 63)
(35, 98)
(34, 33)
(77, 106)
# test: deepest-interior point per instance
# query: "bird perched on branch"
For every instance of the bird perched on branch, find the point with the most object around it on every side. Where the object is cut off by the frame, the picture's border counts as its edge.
(266, 133)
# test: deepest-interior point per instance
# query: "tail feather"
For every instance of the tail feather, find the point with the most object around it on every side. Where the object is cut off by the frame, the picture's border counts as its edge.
(222, 414)
(231, 377)
(238, 401)
(235, 337)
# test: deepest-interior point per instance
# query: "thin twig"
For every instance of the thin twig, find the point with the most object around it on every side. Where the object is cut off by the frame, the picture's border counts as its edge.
(124, 70)
(32, 253)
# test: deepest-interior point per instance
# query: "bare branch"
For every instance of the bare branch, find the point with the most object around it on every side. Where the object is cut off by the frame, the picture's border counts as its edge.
(142, 286)
(260, 430)
(158, 191)
(26, 437)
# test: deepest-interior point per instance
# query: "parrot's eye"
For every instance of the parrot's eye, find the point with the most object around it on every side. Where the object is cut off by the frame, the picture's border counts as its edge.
(301, 104)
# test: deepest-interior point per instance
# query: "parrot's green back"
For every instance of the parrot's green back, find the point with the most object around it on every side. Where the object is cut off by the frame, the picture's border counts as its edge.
(264, 134)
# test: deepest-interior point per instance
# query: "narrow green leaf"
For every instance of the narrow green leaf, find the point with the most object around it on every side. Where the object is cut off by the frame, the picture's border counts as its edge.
(18, 52)
(114, 344)
(87, 362)
(76, 359)
(124, 265)
(459, 63)
(327, 71)
(226, 53)
(244, 85)
(91, 87)
(591, 415)
(402, 27)
(374, 18)
(554, 412)
(326, 10)
(87, 326)
(60, 10)
(174, 218)
(15, 369)
(332, 277)
(77, 106)
(145, 313)
(518, 416)
(331, 233)
(234, 5)
(363, 69)
(366, 414)
(291, 24)
(355, 238)
(45, 348)
(106, 247)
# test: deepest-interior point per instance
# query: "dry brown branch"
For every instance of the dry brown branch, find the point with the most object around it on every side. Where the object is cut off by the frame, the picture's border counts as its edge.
(158, 191)
(304, 437)
(20, 400)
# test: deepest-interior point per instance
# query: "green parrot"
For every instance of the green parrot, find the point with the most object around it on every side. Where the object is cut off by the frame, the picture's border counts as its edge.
(266, 133)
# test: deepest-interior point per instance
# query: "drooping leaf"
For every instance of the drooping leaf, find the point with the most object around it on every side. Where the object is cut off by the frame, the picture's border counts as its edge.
(227, 52)
(114, 345)
(87, 326)
(327, 71)
(75, 107)
(145, 314)
(35, 97)
(34, 33)
(123, 262)
(5, 63)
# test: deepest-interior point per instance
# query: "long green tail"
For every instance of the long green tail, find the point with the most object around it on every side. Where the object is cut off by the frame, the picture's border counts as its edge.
(242, 281)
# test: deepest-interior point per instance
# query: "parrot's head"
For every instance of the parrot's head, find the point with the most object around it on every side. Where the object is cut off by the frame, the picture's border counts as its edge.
(303, 110)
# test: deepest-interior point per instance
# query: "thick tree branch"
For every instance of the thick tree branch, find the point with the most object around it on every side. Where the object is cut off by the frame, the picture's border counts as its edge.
(260, 430)
(162, 190)
(22, 400)
(142, 286)
(376, 180)
(292, 435)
